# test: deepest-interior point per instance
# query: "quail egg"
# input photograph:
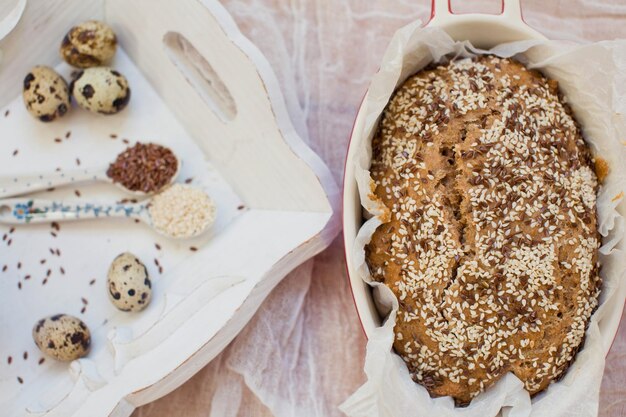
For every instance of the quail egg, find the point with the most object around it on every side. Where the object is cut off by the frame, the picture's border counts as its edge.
(100, 90)
(62, 337)
(129, 285)
(89, 44)
(45, 94)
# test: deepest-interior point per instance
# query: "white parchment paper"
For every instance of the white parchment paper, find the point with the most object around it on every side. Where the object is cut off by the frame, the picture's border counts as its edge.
(593, 79)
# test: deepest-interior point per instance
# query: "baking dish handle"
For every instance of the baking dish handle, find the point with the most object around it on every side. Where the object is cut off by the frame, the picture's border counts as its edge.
(509, 20)
(511, 9)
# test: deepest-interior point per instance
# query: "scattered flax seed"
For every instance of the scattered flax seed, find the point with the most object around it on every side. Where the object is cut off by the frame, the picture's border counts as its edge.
(50, 189)
(127, 200)
(82, 310)
(58, 140)
(188, 180)
(93, 281)
(12, 230)
(193, 248)
(15, 152)
(9, 360)
(77, 161)
(4, 268)
(126, 141)
(156, 245)
(68, 134)
(136, 220)
(43, 261)
(156, 262)
(6, 113)
(19, 285)
(58, 252)
(20, 380)
(48, 272)
(27, 277)
(58, 169)
(53, 234)
(41, 361)
(55, 226)
(9, 242)
(25, 355)
(160, 269)
(113, 136)
(4, 237)
(45, 281)
(19, 265)
(62, 270)
(84, 300)
(241, 207)
(51, 251)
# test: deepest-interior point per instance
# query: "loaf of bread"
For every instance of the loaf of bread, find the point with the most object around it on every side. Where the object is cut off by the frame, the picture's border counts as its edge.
(491, 241)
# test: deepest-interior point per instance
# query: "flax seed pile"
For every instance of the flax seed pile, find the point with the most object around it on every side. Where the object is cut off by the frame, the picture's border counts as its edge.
(491, 246)
(144, 167)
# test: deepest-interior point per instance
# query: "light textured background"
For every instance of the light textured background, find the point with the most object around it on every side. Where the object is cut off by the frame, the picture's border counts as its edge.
(303, 352)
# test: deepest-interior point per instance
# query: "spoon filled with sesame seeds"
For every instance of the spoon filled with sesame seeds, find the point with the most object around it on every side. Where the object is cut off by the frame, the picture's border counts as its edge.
(179, 212)
(142, 169)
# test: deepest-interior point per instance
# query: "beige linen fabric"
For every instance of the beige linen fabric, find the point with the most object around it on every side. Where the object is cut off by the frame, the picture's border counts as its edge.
(302, 354)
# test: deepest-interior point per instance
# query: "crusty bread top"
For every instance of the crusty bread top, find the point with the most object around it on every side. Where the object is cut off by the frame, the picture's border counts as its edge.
(491, 247)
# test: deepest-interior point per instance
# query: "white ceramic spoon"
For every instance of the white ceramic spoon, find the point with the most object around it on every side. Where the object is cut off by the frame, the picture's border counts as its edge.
(19, 185)
(26, 211)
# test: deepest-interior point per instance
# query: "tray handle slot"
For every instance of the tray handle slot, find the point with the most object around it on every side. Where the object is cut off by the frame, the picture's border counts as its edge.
(201, 75)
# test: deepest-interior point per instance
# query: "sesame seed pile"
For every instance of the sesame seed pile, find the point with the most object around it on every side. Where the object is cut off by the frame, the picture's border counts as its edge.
(491, 244)
(182, 211)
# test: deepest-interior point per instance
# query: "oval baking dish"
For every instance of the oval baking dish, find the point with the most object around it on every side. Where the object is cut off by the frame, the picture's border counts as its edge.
(483, 31)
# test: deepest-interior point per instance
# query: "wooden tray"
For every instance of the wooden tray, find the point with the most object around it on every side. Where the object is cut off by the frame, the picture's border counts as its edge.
(200, 87)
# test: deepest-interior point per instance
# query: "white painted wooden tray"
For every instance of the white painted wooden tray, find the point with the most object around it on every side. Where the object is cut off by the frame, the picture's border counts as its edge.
(200, 87)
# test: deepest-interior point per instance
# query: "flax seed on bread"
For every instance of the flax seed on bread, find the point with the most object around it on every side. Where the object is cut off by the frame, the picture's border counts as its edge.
(491, 246)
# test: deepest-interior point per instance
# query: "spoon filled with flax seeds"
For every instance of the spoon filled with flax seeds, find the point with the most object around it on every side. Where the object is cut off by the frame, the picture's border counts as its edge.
(142, 169)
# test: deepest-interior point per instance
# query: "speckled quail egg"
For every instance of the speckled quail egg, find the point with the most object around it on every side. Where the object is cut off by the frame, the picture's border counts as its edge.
(45, 93)
(100, 90)
(62, 337)
(129, 285)
(89, 44)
